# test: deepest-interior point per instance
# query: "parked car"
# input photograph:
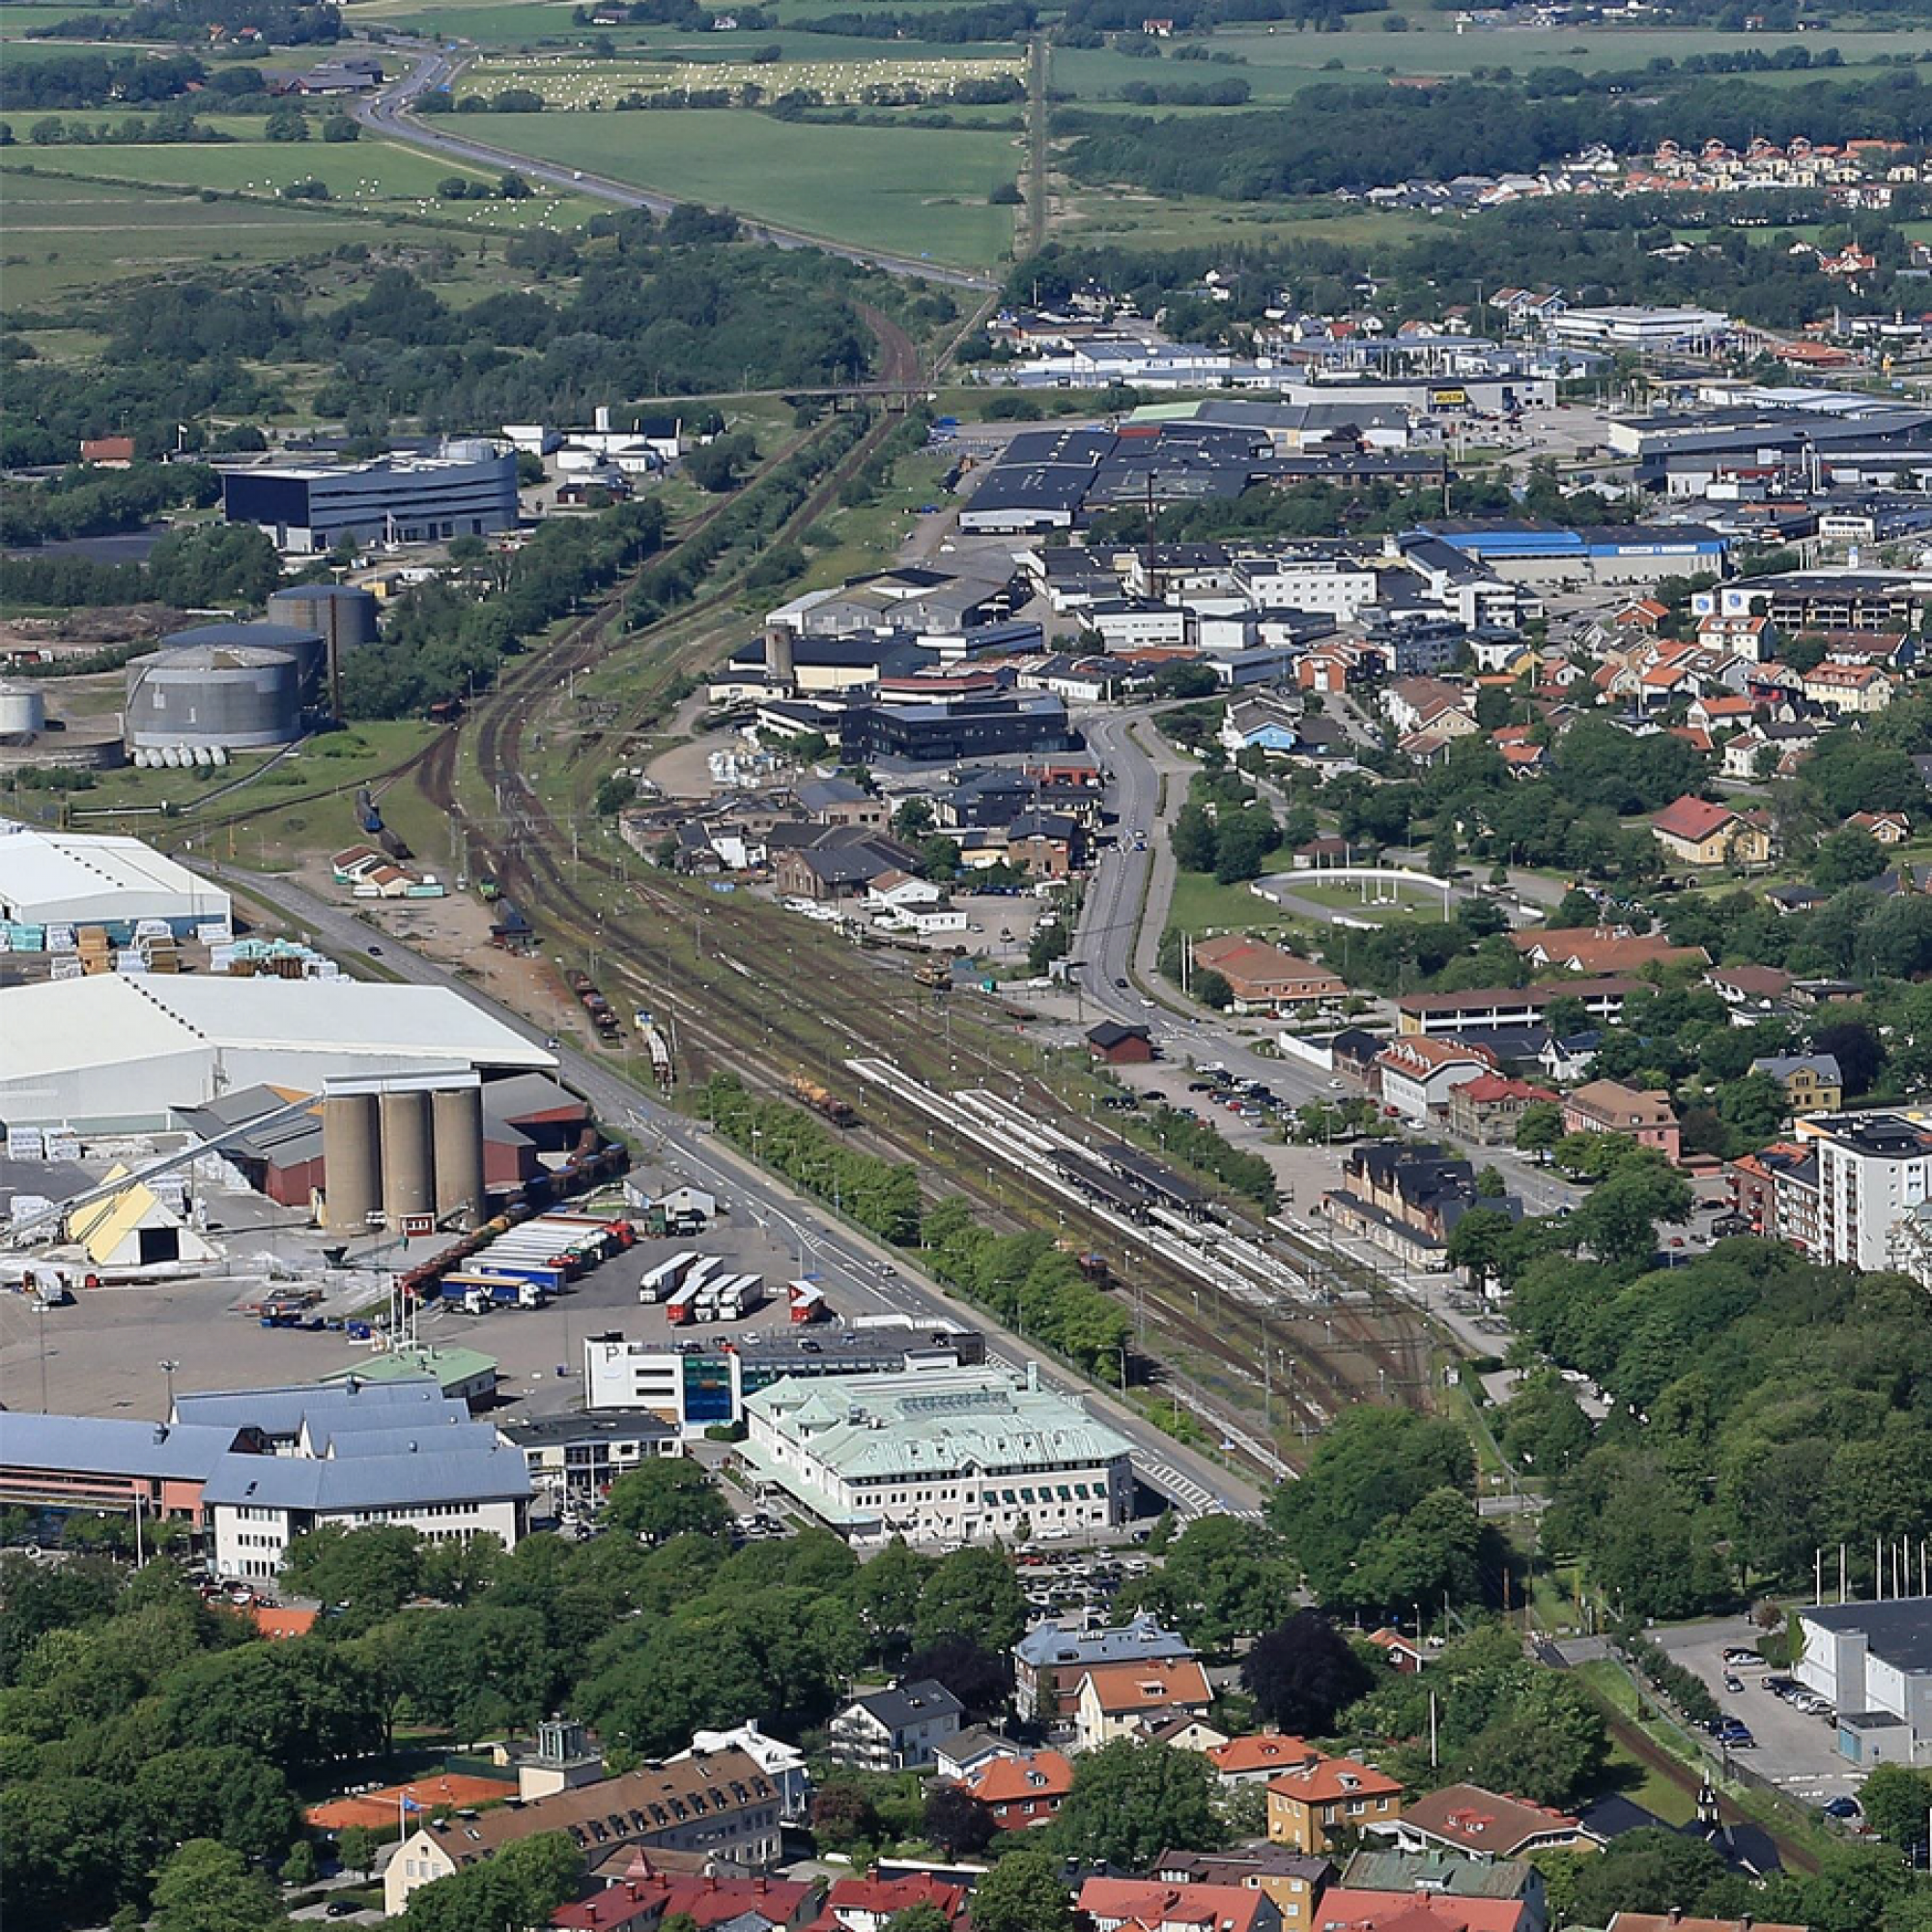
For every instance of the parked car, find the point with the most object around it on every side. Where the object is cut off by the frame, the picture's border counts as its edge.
(1736, 1654)
(1841, 1808)
(1733, 1683)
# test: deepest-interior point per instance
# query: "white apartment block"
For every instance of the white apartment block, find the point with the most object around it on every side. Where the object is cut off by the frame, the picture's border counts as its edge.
(1874, 1171)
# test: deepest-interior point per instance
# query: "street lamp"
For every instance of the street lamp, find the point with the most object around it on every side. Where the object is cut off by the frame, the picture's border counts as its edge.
(168, 1368)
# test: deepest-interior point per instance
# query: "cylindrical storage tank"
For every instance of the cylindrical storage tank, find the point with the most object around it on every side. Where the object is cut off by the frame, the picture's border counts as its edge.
(341, 615)
(409, 1158)
(352, 1158)
(211, 695)
(458, 1116)
(24, 710)
(301, 641)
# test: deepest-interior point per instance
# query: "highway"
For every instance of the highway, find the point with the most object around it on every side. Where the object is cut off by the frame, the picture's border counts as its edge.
(848, 1263)
(387, 113)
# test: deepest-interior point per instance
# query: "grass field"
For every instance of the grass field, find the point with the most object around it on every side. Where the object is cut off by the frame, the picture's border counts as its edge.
(383, 177)
(917, 190)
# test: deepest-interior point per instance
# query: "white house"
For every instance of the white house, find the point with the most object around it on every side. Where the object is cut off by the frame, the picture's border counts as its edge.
(896, 1729)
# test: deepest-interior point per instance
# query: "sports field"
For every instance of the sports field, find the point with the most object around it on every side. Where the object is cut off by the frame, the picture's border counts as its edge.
(920, 192)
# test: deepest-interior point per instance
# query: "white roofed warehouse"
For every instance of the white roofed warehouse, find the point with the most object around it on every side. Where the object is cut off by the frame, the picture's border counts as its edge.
(940, 1457)
(119, 1052)
(85, 879)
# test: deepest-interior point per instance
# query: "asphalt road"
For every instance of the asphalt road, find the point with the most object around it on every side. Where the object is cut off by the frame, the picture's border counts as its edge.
(387, 113)
(852, 1267)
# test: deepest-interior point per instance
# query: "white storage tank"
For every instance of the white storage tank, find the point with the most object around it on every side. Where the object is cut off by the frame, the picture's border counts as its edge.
(24, 710)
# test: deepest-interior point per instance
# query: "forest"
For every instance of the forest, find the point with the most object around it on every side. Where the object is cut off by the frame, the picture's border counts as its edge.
(651, 308)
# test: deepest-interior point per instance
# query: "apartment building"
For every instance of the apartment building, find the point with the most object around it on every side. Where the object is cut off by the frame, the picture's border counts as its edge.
(1873, 1173)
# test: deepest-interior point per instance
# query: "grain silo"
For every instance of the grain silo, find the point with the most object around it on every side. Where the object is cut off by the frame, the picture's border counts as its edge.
(235, 695)
(352, 1161)
(409, 1159)
(457, 1113)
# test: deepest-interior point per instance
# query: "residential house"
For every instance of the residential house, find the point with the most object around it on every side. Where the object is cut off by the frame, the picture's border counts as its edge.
(841, 864)
(1412, 703)
(1260, 976)
(1047, 844)
(1255, 1759)
(1849, 690)
(1480, 1824)
(1609, 1107)
(1293, 1880)
(1117, 1700)
(721, 1804)
(1753, 990)
(1406, 1655)
(1415, 1073)
(1602, 948)
(1150, 1905)
(1349, 1908)
(1022, 1792)
(1309, 1803)
(871, 1903)
(1436, 1873)
(839, 801)
(1888, 828)
(966, 1751)
(1260, 723)
(1184, 1731)
(1782, 745)
(1811, 1081)
(1697, 832)
(645, 1897)
(1486, 1110)
(1116, 1045)
(895, 1729)
(1051, 1661)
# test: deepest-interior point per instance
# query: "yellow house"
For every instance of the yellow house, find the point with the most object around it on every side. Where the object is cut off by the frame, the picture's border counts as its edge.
(1307, 1804)
(1811, 1081)
(1694, 832)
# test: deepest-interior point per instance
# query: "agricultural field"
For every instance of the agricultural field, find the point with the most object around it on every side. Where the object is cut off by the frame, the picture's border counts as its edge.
(922, 191)
(572, 82)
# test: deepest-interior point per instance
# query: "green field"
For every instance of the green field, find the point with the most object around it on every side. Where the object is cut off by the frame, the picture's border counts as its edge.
(575, 82)
(920, 191)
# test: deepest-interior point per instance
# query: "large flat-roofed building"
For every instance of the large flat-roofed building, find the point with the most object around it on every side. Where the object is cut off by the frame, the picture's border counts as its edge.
(1874, 1175)
(951, 730)
(693, 1388)
(1874, 1663)
(113, 1462)
(87, 878)
(1880, 600)
(1637, 328)
(120, 1052)
(470, 489)
(944, 1457)
(1529, 553)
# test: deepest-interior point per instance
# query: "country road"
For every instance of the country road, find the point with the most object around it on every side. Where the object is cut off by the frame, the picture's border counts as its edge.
(387, 112)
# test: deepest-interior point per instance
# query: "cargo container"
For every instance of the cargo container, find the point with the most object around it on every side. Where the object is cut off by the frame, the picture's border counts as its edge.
(660, 1283)
(806, 1301)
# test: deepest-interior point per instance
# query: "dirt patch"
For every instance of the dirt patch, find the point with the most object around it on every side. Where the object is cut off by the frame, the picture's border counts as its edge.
(93, 628)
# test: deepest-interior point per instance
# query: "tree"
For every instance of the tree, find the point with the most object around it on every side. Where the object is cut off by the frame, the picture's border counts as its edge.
(300, 1866)
(207, 1888)
(1490, 1184)
(971, 1594)
(378, 1568)
(1644, 1871)
(1443, 852)
(1897, 1801)
(976, 1675)
(1301, 1673)
(355, 1847)
(1539, 1128)
(1548, 1745)
(1223, 1580)
(1847, 858)
(667, 1496)
(340, 127)
(1023, 1893)
(512, 186)
(1618, 1223)
(1755, 1106)
(1211, 989)
(1130, 1800)
(844, 1815)
(955, 1823)
(924, 1916)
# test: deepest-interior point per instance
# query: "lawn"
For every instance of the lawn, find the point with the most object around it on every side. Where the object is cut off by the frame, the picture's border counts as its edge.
(914, 191)
(1201, 903)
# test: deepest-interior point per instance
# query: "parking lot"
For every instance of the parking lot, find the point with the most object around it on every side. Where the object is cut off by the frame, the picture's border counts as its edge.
(1796, 1753)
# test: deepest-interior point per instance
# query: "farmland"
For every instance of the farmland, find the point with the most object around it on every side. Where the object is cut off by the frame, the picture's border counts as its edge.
(917, 191)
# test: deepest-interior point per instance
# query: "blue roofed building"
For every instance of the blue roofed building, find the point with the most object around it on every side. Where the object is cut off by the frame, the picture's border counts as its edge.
(1051, 1661)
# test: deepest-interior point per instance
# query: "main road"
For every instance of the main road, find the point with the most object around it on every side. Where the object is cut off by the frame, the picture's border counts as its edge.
(845, 1259)
(387, 112)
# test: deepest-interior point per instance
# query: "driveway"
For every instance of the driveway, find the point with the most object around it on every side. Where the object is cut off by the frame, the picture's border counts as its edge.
(1797, 1754)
